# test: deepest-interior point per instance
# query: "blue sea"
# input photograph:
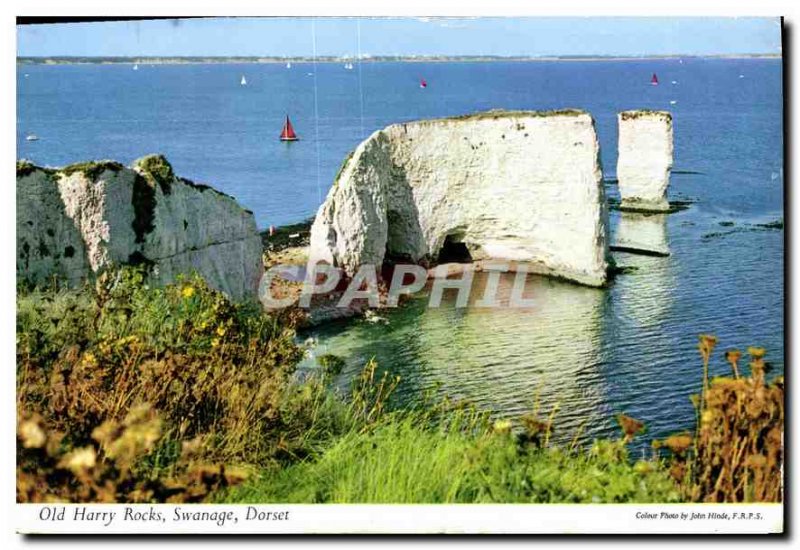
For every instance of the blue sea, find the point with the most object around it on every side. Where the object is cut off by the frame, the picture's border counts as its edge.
(593, 353)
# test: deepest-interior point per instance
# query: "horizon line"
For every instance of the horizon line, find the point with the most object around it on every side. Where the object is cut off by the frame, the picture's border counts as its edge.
(378, 57)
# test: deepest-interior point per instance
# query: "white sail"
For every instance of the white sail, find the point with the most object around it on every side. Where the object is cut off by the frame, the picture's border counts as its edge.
(244, 81)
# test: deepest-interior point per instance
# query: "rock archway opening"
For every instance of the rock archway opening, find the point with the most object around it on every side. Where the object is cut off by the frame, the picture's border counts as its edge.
(453, 251)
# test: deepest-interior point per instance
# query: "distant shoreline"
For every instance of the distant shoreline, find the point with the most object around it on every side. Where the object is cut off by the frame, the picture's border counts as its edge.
(68, 60)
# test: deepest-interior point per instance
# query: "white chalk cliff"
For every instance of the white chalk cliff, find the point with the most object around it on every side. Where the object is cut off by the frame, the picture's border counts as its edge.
(645, 159)
(523, 186)
(74, 221)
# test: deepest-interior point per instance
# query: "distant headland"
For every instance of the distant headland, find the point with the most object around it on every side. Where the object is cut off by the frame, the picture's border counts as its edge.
(177, 60)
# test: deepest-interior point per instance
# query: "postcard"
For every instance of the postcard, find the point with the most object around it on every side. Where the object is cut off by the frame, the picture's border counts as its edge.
(339, 274)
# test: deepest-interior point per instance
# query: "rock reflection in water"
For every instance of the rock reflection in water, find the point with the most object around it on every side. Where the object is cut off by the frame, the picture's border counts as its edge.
(639, 232)
(498, 358)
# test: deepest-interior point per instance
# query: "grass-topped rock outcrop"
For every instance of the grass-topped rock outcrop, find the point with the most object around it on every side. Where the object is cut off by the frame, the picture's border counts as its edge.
(75, 221)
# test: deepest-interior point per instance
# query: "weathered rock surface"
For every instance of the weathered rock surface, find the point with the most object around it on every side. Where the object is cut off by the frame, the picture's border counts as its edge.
(523, 186)
(74, 221)
(645, 160)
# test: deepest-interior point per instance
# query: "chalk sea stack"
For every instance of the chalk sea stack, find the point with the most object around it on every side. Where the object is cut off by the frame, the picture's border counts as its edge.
(645, 160)
(74, 221)
(524, 186)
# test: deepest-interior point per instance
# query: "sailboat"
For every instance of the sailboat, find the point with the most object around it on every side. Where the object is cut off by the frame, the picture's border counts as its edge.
(423, 83)
(135, 67)
(288, 64)
(654, 80)
(287, 134)
(244, 81)
(348, 66)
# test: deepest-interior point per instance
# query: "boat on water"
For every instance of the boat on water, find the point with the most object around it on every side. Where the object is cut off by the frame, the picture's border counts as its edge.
(673, 101)
(243, 82)
(288, 65)
(31, 137)
(348, 66)
(423, 83)
(654, 80)
(288, 134)
(135, 67)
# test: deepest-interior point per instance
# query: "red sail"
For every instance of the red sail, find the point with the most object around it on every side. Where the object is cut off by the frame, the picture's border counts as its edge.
(287, 134)
(422, 83)
(654, 80)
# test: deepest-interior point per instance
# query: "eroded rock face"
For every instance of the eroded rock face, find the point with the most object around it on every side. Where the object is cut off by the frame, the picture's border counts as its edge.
(74, 221)
(645, 160)
(523, 186)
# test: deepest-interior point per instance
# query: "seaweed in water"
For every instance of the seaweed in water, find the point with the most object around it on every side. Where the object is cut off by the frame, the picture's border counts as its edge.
(776, 224)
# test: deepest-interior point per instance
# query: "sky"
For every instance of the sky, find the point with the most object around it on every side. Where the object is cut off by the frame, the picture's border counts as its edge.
(502, 36)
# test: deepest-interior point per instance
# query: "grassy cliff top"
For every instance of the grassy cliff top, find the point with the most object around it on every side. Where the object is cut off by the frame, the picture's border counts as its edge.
(495, 114)
(91, 169)
(156, 169)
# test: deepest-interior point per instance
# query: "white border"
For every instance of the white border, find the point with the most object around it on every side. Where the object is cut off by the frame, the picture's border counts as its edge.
(403, 518)
(577, 517)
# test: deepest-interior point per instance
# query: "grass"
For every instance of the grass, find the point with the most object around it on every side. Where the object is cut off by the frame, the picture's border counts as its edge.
(157, 170)
(404, 460)
(502, 113)
(91, 169)
(281, 240)
(131, 393)
(454, 455)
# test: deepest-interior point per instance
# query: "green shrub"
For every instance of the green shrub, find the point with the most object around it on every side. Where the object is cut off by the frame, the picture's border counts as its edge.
(175, 379)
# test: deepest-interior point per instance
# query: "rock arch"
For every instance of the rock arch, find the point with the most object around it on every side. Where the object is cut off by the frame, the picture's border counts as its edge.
(523, 186)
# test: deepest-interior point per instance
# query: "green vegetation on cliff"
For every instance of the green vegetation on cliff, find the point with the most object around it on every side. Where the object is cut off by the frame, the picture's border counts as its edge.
(92, 169)
(158, 170)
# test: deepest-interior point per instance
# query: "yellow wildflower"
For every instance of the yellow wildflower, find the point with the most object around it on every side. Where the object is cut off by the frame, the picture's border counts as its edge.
(221, 331)
(188, 292)
(502, 426)
(32, 435)
(78, 460)
(215, 342)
